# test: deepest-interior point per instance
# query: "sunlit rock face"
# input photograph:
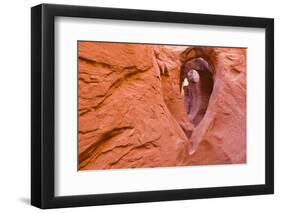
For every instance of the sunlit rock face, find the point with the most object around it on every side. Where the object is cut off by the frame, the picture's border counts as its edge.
(133, 110)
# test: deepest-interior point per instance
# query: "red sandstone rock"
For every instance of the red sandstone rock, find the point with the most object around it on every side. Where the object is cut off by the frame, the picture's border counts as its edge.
(131, 111)
(223, 127)
(123, 119)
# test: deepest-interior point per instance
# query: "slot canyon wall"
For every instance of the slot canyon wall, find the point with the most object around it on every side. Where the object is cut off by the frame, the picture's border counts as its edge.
(132, 111)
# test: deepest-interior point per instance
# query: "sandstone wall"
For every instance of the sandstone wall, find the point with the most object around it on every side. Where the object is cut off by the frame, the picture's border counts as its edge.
(131, 111)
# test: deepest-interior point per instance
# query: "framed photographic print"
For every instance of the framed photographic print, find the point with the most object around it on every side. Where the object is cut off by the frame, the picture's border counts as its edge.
(139, 106)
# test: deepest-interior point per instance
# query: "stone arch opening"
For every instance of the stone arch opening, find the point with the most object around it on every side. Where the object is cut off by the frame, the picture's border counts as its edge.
(196, 85)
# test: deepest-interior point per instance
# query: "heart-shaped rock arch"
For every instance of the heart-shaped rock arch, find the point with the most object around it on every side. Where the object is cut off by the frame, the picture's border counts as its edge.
(209, 64)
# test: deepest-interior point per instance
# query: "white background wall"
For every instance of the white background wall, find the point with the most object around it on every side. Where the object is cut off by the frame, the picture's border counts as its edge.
(15, 106)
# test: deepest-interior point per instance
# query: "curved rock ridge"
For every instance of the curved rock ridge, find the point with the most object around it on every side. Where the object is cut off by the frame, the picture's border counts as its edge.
(131, 111)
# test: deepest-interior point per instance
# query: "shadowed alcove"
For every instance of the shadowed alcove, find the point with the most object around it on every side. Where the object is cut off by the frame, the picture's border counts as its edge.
(196, 83)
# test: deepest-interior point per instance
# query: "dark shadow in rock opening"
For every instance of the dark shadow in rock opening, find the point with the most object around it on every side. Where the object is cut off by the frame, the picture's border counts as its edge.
(199, 89)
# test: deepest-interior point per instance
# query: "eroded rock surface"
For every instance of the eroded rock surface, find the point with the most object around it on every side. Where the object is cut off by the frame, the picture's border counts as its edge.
(132, 112)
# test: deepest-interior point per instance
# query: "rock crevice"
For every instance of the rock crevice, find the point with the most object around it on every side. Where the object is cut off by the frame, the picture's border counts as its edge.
(132, 112)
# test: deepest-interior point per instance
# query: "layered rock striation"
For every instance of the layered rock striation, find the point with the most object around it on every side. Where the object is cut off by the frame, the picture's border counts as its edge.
(132, 113)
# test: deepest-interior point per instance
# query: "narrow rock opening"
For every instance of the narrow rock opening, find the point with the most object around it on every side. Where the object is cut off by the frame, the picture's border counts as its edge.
(196, 85)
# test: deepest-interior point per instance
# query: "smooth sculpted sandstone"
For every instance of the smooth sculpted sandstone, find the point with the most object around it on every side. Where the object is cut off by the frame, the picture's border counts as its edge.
(132, 111)
(123, 119)
(220, 137)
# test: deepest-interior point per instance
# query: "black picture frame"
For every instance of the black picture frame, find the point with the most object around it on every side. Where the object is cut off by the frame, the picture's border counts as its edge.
(43, 102)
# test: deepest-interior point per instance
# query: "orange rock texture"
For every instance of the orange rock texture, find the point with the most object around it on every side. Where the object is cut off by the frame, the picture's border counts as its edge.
(133, 113)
